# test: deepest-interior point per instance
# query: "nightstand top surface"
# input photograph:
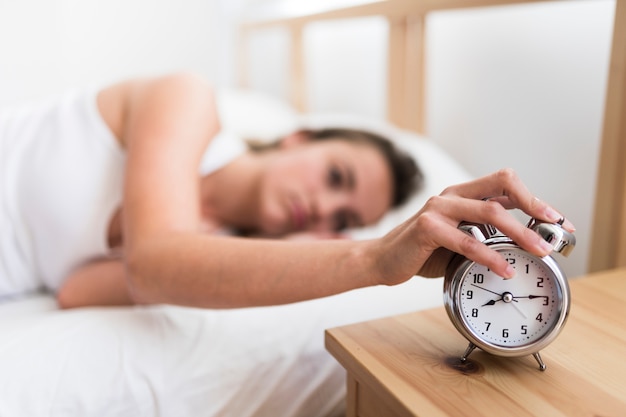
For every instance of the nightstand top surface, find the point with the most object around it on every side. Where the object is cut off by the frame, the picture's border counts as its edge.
(412, 362)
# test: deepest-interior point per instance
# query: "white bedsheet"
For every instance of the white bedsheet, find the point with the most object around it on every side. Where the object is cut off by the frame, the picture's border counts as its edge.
(173, 361)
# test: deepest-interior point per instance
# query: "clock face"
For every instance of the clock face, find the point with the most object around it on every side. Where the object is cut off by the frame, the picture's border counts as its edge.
(515, 312)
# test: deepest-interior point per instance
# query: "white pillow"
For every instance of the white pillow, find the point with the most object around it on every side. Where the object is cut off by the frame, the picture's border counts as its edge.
(255, 115)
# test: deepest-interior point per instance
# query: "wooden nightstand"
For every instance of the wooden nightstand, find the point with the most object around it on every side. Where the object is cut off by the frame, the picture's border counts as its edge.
(409, 365)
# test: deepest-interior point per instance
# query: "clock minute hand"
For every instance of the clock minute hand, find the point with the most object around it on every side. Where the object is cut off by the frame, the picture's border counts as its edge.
(492, 302)
(485, 289)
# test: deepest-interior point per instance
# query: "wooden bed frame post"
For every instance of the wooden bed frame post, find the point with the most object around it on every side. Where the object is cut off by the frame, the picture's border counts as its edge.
(297, 84)
(242, 57)
(405, 76)
(297, 87)
(415, 76)
(396, 76)
(608, 245)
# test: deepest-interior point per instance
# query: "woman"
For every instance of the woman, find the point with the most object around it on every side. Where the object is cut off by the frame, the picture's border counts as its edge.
(161, 129)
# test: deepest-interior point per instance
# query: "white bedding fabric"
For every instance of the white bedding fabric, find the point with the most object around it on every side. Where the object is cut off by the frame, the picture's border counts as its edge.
(173, 361)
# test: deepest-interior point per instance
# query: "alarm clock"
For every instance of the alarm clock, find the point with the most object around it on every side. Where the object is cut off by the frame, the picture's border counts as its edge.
(510, 317)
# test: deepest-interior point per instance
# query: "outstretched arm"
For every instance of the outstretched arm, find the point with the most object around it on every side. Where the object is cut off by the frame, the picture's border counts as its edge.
(167, 124)
(431, 234)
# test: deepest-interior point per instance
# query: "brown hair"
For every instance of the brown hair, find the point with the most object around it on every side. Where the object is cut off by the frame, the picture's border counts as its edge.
(406, 176)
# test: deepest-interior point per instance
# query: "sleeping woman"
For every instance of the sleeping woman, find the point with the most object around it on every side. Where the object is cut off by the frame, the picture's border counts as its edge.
(133, 194)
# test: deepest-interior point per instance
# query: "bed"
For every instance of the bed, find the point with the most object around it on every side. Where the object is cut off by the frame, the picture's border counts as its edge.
(174, 361)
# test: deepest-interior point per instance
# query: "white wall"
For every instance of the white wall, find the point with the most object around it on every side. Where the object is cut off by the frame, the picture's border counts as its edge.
(524, 87)
(514, 86)
(47, 46)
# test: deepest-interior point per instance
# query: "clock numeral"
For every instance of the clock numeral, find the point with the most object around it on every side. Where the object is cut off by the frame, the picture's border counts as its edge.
(539, 317)
(488, 325)
(527, 268)
(469, 294)
(546, 300)
(479, 278)
(474, 312)
(539, 282)
(505, 333)
(511, 261)
(524, 329)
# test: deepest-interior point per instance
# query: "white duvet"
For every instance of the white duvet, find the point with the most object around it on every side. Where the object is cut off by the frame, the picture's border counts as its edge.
(173, 361)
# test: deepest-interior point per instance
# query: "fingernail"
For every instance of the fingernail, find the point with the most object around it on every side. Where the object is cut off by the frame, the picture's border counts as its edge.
(567, 225)
(509, 272)
(545, 247)
(553, 215)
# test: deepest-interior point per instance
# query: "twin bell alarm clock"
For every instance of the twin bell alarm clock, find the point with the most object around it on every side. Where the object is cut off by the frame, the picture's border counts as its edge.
(510, 317)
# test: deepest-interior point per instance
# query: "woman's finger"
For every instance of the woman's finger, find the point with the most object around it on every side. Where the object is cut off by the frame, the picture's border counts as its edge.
(506, 188)
(454, 210)
(500, 183)
(460, 242)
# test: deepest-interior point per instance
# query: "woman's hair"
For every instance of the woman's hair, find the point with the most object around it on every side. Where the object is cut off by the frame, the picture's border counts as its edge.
(406, 176)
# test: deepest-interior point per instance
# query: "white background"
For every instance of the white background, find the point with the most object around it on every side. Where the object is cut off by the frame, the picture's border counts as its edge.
(517, 86)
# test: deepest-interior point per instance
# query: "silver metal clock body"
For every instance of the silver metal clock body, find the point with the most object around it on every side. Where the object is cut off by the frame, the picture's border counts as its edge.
(514, 317)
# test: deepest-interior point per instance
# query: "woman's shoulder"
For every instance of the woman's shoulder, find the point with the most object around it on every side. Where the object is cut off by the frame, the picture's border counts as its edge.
(118, 102)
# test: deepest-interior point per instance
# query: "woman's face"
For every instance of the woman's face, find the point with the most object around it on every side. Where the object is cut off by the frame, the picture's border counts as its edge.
(323, 186)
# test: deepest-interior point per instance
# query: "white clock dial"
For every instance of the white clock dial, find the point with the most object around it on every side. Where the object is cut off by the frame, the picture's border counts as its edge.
(514, 312)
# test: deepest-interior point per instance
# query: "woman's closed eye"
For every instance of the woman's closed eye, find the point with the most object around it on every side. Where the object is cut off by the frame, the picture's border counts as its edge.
(336, 178)
(346, 219)
(341, 177)
(341, 221)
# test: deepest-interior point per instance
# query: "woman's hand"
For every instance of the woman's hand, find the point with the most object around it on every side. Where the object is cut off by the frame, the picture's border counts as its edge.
(425, 243)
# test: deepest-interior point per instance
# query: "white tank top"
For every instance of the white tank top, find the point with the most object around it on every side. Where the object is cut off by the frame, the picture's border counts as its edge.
(61, 174)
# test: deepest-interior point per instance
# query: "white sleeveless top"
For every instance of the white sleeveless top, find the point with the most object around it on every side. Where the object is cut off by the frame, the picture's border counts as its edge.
(61, 174)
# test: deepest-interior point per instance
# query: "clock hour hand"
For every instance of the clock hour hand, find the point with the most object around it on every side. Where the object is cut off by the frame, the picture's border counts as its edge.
(490, 302)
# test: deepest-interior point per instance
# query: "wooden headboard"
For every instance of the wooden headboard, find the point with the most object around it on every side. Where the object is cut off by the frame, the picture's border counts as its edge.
(406, 99)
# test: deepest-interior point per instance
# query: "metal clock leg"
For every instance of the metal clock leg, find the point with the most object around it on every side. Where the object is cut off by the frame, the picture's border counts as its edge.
(542, 366)
(470, 349)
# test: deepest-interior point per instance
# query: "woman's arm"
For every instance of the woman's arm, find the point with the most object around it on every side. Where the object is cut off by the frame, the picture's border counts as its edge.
(168, 124)
(97, 283)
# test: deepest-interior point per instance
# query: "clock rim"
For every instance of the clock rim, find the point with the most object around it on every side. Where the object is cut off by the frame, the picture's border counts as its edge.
(458, 269)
